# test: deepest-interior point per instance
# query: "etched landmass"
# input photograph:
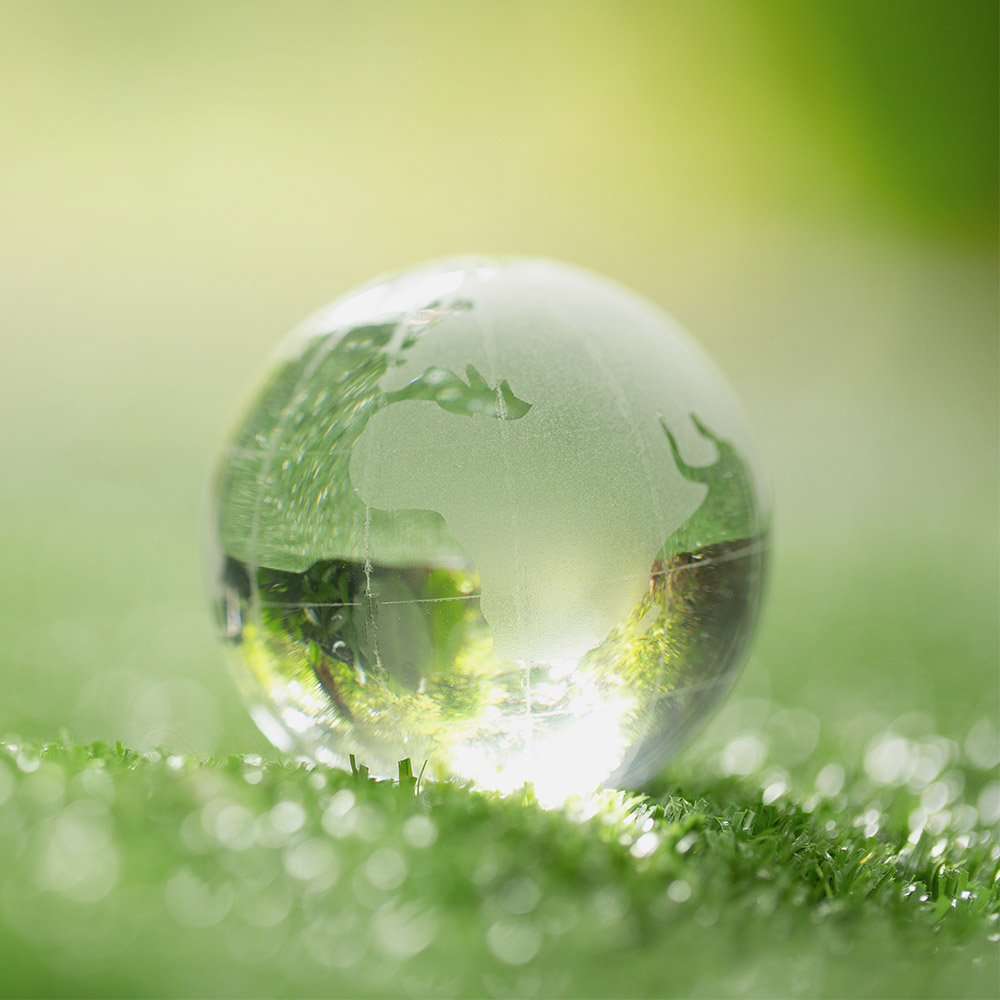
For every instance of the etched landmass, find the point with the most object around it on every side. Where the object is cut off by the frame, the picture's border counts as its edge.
(560, 482)
(551, 517)
(729, 510)
(472, 398)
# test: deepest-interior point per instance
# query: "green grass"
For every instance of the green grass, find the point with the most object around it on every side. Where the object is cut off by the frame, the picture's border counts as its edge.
(151, 874)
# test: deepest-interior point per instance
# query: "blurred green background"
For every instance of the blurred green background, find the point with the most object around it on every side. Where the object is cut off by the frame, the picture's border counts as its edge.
(809, 187)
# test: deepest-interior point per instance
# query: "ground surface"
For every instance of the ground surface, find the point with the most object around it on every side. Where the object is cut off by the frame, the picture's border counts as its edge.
(160, 875)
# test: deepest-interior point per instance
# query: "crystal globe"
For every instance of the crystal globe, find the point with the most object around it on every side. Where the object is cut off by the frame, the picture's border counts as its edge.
(500, 516)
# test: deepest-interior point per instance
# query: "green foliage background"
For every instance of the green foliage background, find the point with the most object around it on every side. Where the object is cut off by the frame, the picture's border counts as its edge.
(810, 187)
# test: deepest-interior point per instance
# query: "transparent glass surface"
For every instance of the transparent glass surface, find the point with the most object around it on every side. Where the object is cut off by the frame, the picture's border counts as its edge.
(501, 516)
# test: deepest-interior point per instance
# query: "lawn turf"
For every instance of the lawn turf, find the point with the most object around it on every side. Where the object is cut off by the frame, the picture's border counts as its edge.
(155, 874)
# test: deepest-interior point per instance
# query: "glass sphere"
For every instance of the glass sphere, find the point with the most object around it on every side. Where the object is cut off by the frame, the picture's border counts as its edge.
(500, 516)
